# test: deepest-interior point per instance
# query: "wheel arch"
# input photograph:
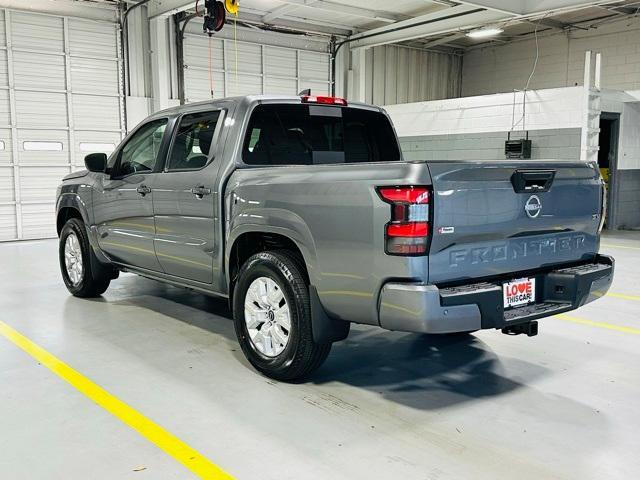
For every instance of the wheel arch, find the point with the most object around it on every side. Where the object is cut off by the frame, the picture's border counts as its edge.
(70, 206)
(250, 242)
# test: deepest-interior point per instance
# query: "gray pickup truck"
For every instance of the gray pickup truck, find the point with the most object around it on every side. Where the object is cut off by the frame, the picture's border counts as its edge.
(302, 212)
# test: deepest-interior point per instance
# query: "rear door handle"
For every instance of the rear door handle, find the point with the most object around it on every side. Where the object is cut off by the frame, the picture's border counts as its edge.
(143, 190)
(201, 191)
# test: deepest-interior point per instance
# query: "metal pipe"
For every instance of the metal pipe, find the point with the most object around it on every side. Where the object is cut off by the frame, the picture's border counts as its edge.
(180, 50)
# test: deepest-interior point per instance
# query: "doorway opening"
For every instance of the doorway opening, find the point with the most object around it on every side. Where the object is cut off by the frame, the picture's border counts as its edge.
(608, 162)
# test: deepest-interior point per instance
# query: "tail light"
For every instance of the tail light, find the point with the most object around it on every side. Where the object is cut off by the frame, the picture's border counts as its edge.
(408, 231)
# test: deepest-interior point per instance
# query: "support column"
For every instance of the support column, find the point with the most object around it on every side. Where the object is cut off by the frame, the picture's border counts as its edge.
(160, 67)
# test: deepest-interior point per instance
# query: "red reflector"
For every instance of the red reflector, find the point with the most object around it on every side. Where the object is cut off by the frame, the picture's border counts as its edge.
(405, 194)
(416, 229)
(324, 100)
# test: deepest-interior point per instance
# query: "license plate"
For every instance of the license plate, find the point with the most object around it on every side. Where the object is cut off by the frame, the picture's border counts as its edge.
(519, 292)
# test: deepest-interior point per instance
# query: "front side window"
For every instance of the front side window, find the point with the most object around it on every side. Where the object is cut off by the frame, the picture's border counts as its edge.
(192, 144)
(140, 153)
(299, 134)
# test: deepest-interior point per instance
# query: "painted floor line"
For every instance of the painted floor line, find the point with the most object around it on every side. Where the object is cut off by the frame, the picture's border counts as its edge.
(608, 326)
(167, 442)
(624, 297)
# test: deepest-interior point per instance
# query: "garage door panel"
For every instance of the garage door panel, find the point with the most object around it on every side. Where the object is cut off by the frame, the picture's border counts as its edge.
(281, 62)
(96, 112)
(244, 85)
(39, 70)
(4, 76)
(43, 147)
(5, 110)
(38, 221)
(94, 76)
(37, 32)
(197, 85)
(92, 39)
(317, 88)
(249, 56)
(8, 227)
(87, 142)
(281, 86)
(314, 65)
(5, 147)
(7, 192)
(3, 34)
(41, 109)
(196, 52)
(49, 143)
(39, 184)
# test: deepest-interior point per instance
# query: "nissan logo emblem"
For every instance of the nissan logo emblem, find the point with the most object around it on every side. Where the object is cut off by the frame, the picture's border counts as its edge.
(533, 207)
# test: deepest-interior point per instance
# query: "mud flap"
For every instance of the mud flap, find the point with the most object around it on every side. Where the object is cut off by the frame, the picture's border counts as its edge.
(325, 329)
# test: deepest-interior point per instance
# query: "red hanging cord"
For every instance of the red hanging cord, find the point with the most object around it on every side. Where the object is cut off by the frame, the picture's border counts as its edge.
(210, 67)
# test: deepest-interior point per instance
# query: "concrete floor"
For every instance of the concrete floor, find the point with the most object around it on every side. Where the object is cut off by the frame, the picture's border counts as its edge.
(564, 404)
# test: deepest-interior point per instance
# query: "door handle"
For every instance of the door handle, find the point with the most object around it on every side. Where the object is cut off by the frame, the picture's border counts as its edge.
(143, 190)
(201, 191)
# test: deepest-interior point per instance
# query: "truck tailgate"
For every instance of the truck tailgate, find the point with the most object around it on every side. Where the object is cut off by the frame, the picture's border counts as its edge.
(501, 218)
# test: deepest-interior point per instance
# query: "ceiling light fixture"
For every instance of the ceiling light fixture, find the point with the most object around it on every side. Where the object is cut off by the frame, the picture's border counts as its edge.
(485, 32)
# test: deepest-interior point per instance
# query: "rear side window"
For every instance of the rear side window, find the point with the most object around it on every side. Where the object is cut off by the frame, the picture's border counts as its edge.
(192, 144)
(318, 135)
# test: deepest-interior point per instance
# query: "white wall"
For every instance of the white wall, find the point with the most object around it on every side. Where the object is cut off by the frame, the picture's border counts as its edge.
(556, 108)
(561, 61)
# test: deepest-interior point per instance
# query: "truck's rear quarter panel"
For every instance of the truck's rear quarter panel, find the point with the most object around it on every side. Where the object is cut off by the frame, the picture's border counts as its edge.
(337, 219)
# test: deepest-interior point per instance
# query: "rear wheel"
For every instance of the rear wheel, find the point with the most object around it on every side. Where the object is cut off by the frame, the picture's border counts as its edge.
(272, 314)
(82, 277)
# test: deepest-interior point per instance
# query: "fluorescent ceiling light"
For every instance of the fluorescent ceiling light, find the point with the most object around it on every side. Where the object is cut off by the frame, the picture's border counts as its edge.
(485, 32)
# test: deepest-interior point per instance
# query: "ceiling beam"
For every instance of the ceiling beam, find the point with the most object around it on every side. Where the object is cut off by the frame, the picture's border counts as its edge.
(279, 12)
(530, 7)
(345, 9)
(163, 8)
(299, 24)
(454, 19)
(443, 40)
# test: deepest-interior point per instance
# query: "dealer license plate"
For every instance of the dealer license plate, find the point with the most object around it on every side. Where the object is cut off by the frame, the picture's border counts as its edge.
(519, 292)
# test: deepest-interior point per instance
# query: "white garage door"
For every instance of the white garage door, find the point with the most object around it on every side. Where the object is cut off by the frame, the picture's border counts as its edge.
(59, 99)
(260, 69)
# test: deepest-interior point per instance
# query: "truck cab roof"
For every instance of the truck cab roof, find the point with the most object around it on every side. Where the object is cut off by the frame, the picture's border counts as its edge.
(248, 101)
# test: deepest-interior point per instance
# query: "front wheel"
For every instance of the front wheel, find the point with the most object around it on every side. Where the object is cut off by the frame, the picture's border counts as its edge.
(272, 315)
(81, 277)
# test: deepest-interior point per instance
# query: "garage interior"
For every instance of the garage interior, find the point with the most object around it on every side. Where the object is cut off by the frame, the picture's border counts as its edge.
(458, 79)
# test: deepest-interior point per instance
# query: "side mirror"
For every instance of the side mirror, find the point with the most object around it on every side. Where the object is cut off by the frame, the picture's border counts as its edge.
(96, 162)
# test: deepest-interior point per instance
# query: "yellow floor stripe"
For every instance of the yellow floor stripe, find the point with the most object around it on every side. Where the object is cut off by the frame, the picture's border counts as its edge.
(591, 323)
(153, 432)
(624, 297)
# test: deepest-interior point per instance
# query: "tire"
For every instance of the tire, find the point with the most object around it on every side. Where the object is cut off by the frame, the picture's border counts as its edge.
(300, 355)
(91, 279)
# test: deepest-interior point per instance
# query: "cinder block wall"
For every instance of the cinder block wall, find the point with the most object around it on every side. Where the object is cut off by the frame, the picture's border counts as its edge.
(563, 144)
(561, 61)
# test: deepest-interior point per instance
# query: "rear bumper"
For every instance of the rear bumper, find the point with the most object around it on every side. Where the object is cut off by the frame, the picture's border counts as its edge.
(429, 309)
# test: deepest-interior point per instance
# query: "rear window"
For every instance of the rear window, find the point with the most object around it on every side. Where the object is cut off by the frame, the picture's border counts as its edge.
(318, 135)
